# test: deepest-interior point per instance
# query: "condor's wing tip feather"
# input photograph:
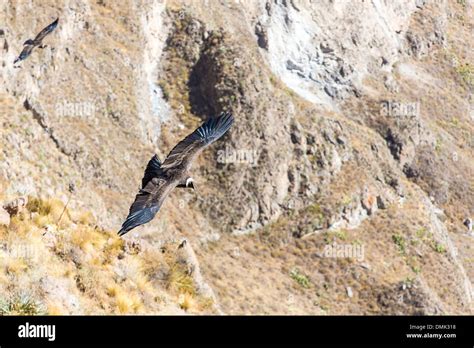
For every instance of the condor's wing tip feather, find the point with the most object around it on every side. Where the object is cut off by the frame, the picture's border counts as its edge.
(137, 218)
(216, 127)
(53, 25)
(47, 30)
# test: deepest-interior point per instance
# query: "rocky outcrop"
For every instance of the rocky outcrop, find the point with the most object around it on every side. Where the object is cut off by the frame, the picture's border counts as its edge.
(409, 298)
(4, 217)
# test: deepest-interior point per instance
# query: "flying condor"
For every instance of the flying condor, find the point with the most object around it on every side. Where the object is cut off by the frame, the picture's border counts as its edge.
(37, 41)
(161, 178)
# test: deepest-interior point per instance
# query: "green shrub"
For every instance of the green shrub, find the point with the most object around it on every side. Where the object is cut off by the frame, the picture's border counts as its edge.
(300, 278)
(21, 305)
(400, 242)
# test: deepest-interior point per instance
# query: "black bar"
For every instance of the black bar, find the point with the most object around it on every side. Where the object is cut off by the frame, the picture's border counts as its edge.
(347, 330)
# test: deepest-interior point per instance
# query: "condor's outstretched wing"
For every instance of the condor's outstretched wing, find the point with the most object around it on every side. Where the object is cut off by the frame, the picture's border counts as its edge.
(46, 30)
(24, 53)
(188, 148)
(150, 197)
(147, 203)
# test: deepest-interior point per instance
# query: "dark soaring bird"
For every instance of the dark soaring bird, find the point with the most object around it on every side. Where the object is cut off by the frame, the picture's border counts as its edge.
(30, 44)
(161, 178)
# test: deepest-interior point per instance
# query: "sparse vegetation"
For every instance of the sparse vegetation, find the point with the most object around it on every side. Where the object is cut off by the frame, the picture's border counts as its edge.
(332, 236)
(400, 242)
(94, 266)
(21, 304)
(439, 248)
(178, 280)
(300, 278)
(466, 71)
(438, 145)
(341, 234)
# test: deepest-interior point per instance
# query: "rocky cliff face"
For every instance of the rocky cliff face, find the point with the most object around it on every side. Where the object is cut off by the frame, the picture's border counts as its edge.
(341, 188)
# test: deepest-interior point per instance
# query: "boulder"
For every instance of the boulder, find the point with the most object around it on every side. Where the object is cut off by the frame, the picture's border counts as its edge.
(15, 206)
(4, 217)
